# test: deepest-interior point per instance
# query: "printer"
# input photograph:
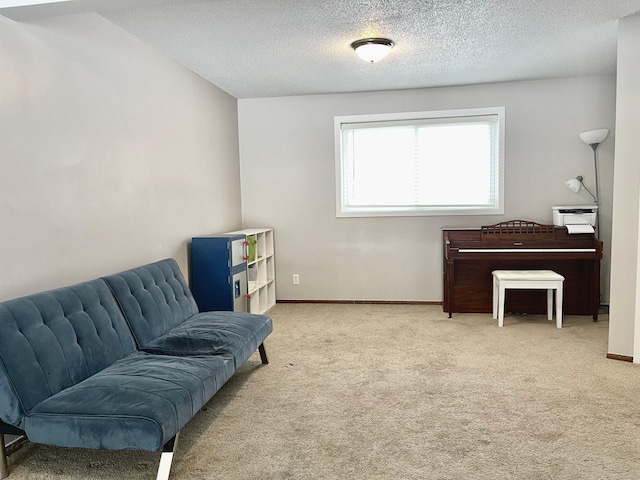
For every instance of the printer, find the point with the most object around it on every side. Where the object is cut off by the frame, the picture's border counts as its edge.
(577, 219)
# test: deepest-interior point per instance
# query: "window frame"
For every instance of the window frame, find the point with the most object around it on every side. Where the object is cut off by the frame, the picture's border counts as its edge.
(343, 210)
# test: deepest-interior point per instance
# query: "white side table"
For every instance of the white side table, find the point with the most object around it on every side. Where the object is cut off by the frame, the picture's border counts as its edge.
(527, 279)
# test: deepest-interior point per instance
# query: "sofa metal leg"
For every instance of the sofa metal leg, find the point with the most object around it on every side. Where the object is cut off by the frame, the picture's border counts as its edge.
(166, 458)
(263, 354)
(4, 467)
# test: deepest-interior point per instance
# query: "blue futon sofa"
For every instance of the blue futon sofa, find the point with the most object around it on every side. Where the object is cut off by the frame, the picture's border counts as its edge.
(119, 363)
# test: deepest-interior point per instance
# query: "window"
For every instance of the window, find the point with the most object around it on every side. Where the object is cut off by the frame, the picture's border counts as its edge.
(425, 163)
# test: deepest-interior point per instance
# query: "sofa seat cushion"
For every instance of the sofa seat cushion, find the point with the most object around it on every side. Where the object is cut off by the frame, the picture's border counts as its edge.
(214, 333)
(137, 403)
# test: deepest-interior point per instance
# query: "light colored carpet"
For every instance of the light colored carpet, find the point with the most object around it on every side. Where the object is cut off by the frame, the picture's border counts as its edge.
(400, 392)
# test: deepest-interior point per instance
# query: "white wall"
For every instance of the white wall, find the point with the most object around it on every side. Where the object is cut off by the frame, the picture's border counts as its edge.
(111, 155)
(287, 170)
(625, 268)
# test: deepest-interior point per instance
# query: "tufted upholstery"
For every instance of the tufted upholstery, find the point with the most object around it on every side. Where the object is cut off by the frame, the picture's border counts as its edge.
(53, 340)
(154, 298)
(164, 317)
(71, 372)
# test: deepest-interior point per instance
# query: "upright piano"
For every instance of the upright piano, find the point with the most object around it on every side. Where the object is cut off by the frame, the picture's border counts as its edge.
(471, 254)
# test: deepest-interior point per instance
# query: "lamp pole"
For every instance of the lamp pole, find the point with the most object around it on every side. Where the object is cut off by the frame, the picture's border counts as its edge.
(594, 146)
(593, 138)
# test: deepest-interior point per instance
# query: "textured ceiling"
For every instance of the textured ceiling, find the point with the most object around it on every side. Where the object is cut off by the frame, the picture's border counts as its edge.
(263, 48)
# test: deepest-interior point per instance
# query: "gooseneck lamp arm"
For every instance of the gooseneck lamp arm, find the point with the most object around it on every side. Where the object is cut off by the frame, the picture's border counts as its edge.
(580, 178)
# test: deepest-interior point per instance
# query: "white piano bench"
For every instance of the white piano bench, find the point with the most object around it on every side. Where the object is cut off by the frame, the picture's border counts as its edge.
(527, 279)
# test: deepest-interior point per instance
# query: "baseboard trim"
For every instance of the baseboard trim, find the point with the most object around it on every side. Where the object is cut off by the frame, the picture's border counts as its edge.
(622, 358)
(363, 302)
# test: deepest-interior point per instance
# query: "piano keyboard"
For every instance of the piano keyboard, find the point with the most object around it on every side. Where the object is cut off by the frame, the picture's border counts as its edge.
(525, 250)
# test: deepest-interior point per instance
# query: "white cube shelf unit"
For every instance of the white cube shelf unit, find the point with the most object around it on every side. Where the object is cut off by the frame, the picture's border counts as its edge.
(261, 269)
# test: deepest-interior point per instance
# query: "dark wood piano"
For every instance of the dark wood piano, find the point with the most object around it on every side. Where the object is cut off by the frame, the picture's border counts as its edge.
(471, 254)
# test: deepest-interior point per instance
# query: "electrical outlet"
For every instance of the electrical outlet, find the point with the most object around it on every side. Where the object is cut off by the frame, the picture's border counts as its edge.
(296, 279)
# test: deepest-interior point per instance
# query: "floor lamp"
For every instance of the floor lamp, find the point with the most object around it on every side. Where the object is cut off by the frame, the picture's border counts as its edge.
(594, 138)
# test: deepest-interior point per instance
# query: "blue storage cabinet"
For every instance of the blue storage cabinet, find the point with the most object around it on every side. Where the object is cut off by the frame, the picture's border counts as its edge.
(219, 272)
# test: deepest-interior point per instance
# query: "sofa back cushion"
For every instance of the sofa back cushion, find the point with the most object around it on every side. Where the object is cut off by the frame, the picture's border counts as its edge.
(52, 340)
(154, 298)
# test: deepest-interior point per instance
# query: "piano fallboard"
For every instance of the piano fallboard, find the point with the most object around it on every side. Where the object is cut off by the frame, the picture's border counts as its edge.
(470, 255)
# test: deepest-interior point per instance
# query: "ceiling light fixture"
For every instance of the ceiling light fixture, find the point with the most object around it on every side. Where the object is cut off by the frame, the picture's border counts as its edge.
(372, 49)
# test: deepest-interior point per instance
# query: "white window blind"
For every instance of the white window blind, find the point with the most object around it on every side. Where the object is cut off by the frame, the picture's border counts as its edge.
(428, 163)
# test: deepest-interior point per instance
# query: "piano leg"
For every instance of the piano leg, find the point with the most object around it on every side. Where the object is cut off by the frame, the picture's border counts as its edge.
(449, 314)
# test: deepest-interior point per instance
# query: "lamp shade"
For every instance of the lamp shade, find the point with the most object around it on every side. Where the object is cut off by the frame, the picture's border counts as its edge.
(372, 49)
(594, 136)
(573, 185)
